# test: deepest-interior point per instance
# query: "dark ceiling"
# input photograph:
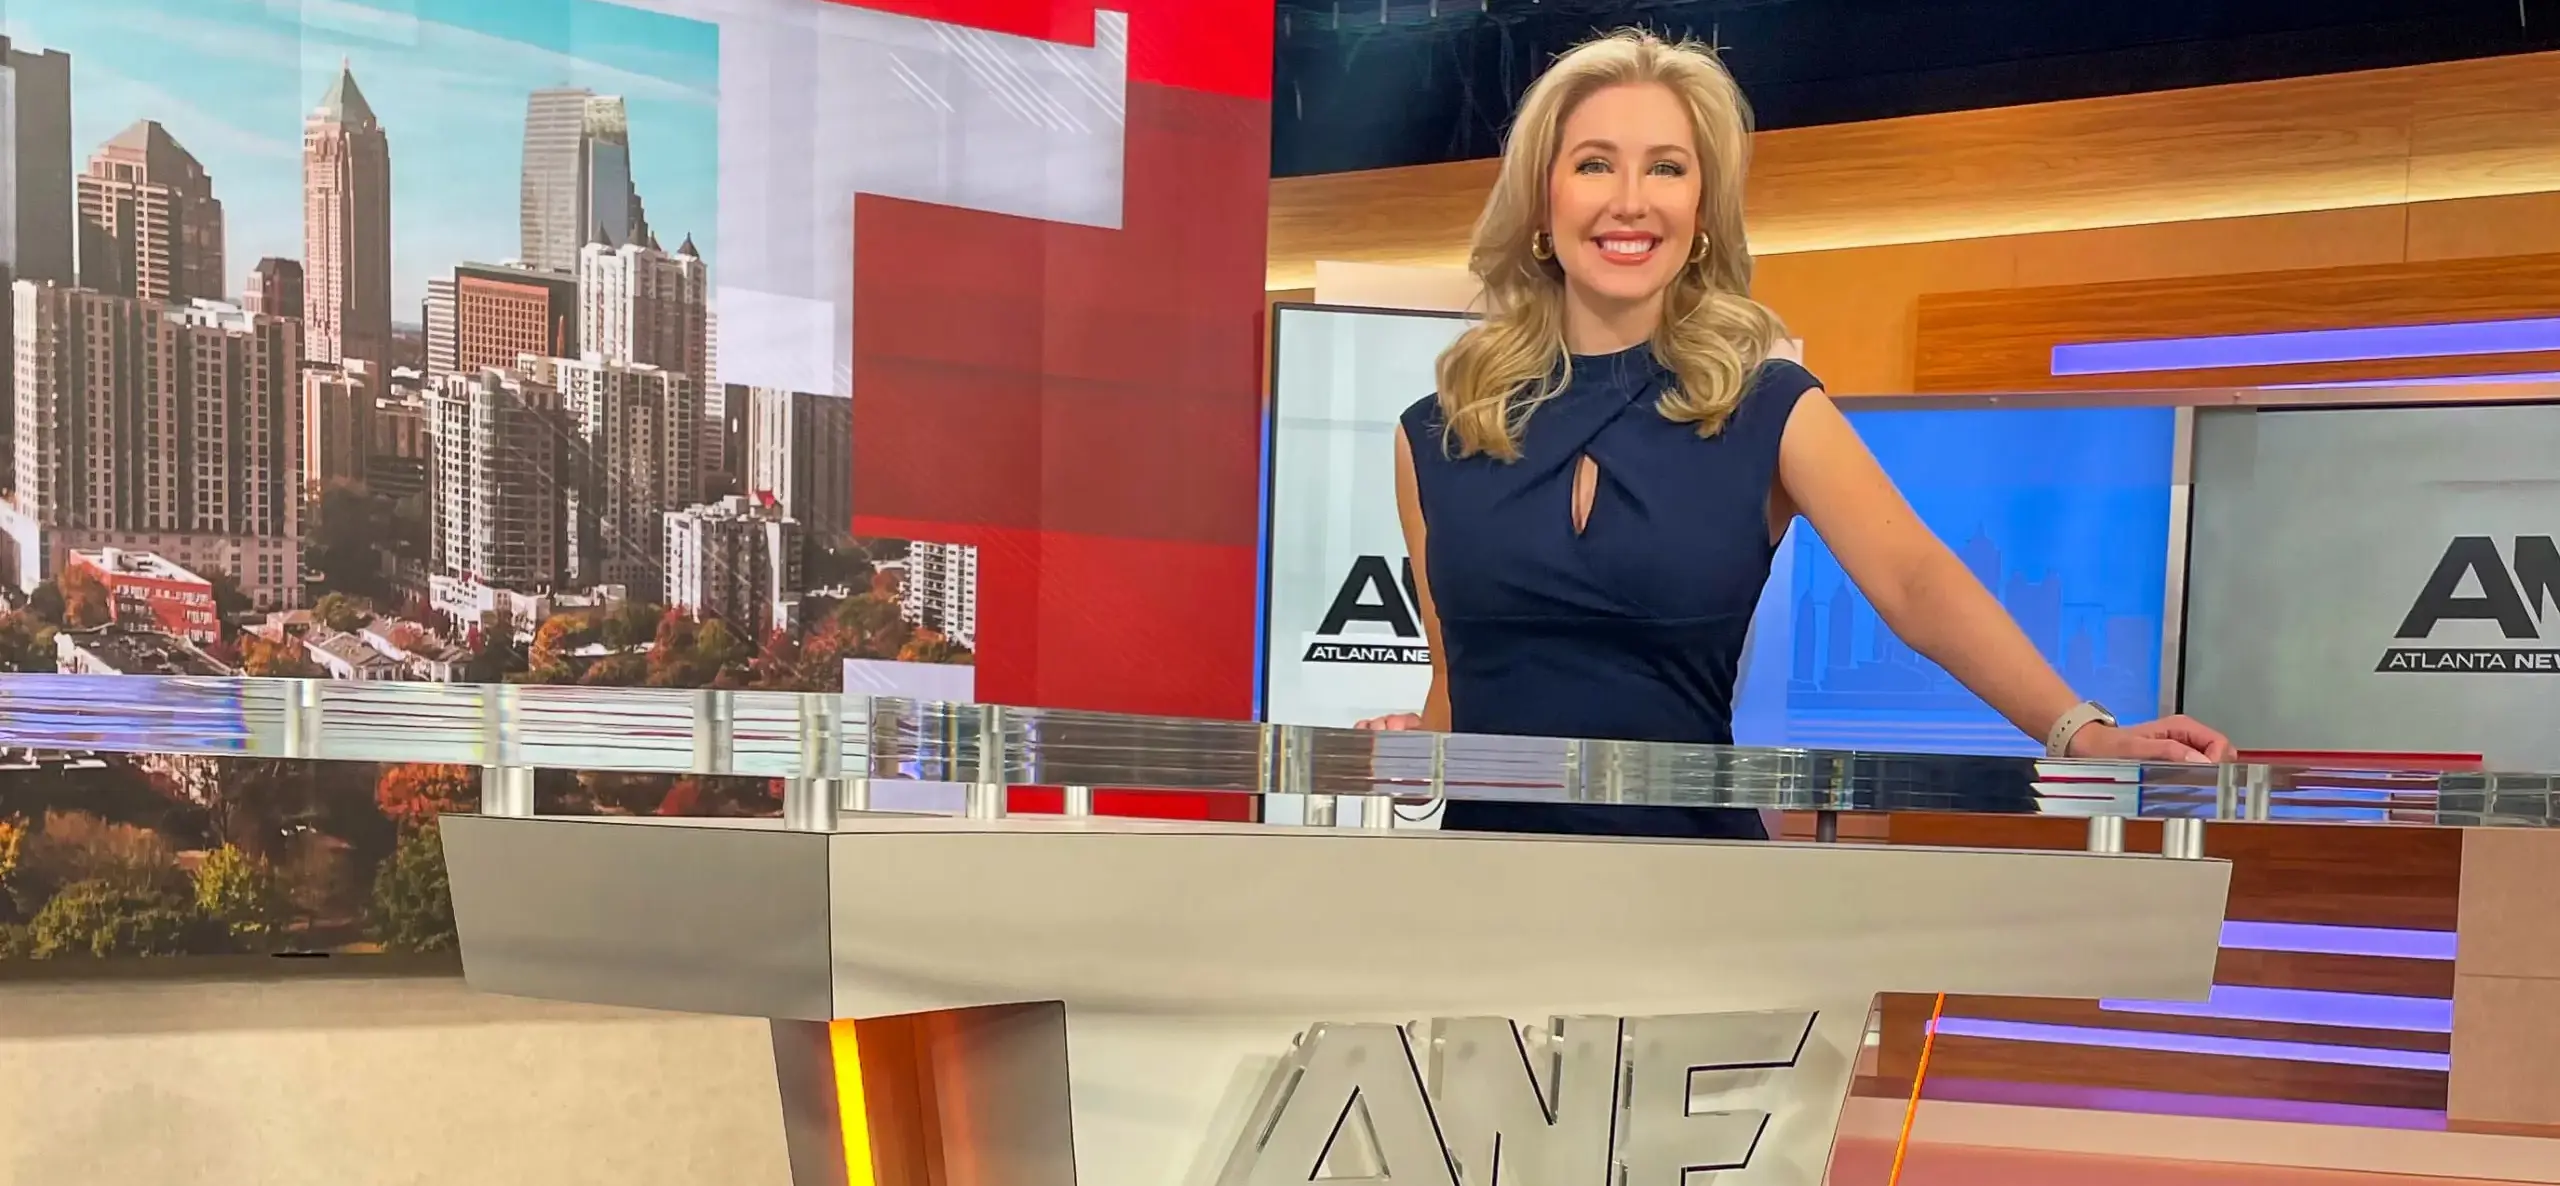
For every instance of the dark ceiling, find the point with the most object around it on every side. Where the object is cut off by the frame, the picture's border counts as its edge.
(1367, 84)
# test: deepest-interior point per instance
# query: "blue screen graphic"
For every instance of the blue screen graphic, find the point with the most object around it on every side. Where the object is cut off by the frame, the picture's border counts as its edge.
(2062, 513)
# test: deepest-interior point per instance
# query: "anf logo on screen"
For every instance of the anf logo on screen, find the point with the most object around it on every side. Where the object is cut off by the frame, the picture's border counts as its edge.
(1604, 1101)
(1373, 618)
(2513, 597)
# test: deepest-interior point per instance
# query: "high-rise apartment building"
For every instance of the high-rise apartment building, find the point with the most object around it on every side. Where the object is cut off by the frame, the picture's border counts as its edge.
(437, 317)
(724, 429)
(576, 187)
(502, 313)
(799, 456)
(495, 486)
(150, 226)
(346, 228)
(638, 304)
(36, 224)
(735, 562)
(941, 592)
(274, 288)
(337, 421)
(635, 445)
(156, 427)
(399, 453)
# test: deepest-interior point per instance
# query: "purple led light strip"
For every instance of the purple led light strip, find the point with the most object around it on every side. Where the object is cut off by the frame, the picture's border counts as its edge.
(2362, 344)
(2087, 1035)
(2303, 1006)
(2311, 939)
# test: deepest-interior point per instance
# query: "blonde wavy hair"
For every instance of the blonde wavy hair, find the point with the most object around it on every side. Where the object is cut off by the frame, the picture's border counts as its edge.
(1713, 336)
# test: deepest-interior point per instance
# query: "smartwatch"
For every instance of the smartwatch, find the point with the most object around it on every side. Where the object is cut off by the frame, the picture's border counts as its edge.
(2057, 740)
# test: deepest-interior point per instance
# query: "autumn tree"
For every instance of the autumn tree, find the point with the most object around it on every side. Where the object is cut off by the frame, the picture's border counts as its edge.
(623, 670)
(262, 656)
(241, 894)
(930, 647)
(413, 795)
(86, 604)
(691, 654)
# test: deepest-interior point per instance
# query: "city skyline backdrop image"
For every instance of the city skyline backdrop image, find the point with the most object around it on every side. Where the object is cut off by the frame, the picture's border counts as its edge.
(2062, 514)
(378, 342)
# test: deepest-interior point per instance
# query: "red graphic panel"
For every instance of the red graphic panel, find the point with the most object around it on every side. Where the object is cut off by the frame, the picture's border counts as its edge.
(1203, 45)
(1081, 403)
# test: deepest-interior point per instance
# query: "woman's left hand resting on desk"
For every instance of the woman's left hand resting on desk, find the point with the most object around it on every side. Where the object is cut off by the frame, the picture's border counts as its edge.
(2169, 739)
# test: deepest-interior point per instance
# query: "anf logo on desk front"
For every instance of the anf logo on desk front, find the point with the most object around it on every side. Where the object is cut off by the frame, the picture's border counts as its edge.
(2514, 599)
(1603, 1101)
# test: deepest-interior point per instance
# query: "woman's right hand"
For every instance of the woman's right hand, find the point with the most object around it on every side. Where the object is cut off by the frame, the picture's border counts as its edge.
(1395, 722)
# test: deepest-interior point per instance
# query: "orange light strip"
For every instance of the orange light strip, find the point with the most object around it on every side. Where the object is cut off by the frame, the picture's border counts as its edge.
(851, 1115)
(1919, 1076)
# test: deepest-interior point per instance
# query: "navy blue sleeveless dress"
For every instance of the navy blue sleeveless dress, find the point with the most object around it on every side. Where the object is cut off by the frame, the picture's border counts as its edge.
(1632, 630)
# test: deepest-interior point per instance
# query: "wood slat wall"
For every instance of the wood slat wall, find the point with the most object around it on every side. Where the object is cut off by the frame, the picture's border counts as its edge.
(2375, 138)
(2345, 875)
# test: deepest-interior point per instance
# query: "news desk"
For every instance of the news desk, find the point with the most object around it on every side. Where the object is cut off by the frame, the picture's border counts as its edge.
(985, 998)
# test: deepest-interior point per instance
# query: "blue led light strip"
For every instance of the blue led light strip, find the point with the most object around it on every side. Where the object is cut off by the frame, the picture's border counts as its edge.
(2365, 344)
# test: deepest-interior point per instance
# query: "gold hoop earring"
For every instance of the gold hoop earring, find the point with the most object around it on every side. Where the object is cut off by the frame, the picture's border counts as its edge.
(1698, 251)
(1541, 246)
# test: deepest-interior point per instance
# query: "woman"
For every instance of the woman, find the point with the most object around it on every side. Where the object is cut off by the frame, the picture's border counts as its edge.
(1593, 498)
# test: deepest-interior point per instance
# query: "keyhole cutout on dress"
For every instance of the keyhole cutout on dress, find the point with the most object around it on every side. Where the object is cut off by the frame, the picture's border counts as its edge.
(1586, 490)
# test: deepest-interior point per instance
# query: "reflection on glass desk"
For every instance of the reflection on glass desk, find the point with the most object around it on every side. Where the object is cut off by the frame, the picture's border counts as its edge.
(784, 735)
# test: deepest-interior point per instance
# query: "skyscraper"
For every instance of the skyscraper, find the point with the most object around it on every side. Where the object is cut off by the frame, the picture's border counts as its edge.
(576, 187)
(137, 418)
(275, 288)
(496, 494)
(346, 227)
(337, 420)
(437, 316)
(35, 164)
(641, 305)
(734, 562)
(501, 313)
(150, 226)
(799, 456)
(634, 434)
(941, 592)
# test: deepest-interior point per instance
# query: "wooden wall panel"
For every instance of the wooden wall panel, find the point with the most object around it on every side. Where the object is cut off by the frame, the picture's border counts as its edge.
(2003, 340)
(2517, 224)
(2377, 138)
(2344, 875)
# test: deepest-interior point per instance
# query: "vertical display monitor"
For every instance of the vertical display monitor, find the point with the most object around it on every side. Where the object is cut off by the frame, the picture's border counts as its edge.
(2378, 579)
(2062, 513)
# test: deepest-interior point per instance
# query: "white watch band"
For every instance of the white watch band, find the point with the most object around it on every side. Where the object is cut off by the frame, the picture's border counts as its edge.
(2057, 740)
